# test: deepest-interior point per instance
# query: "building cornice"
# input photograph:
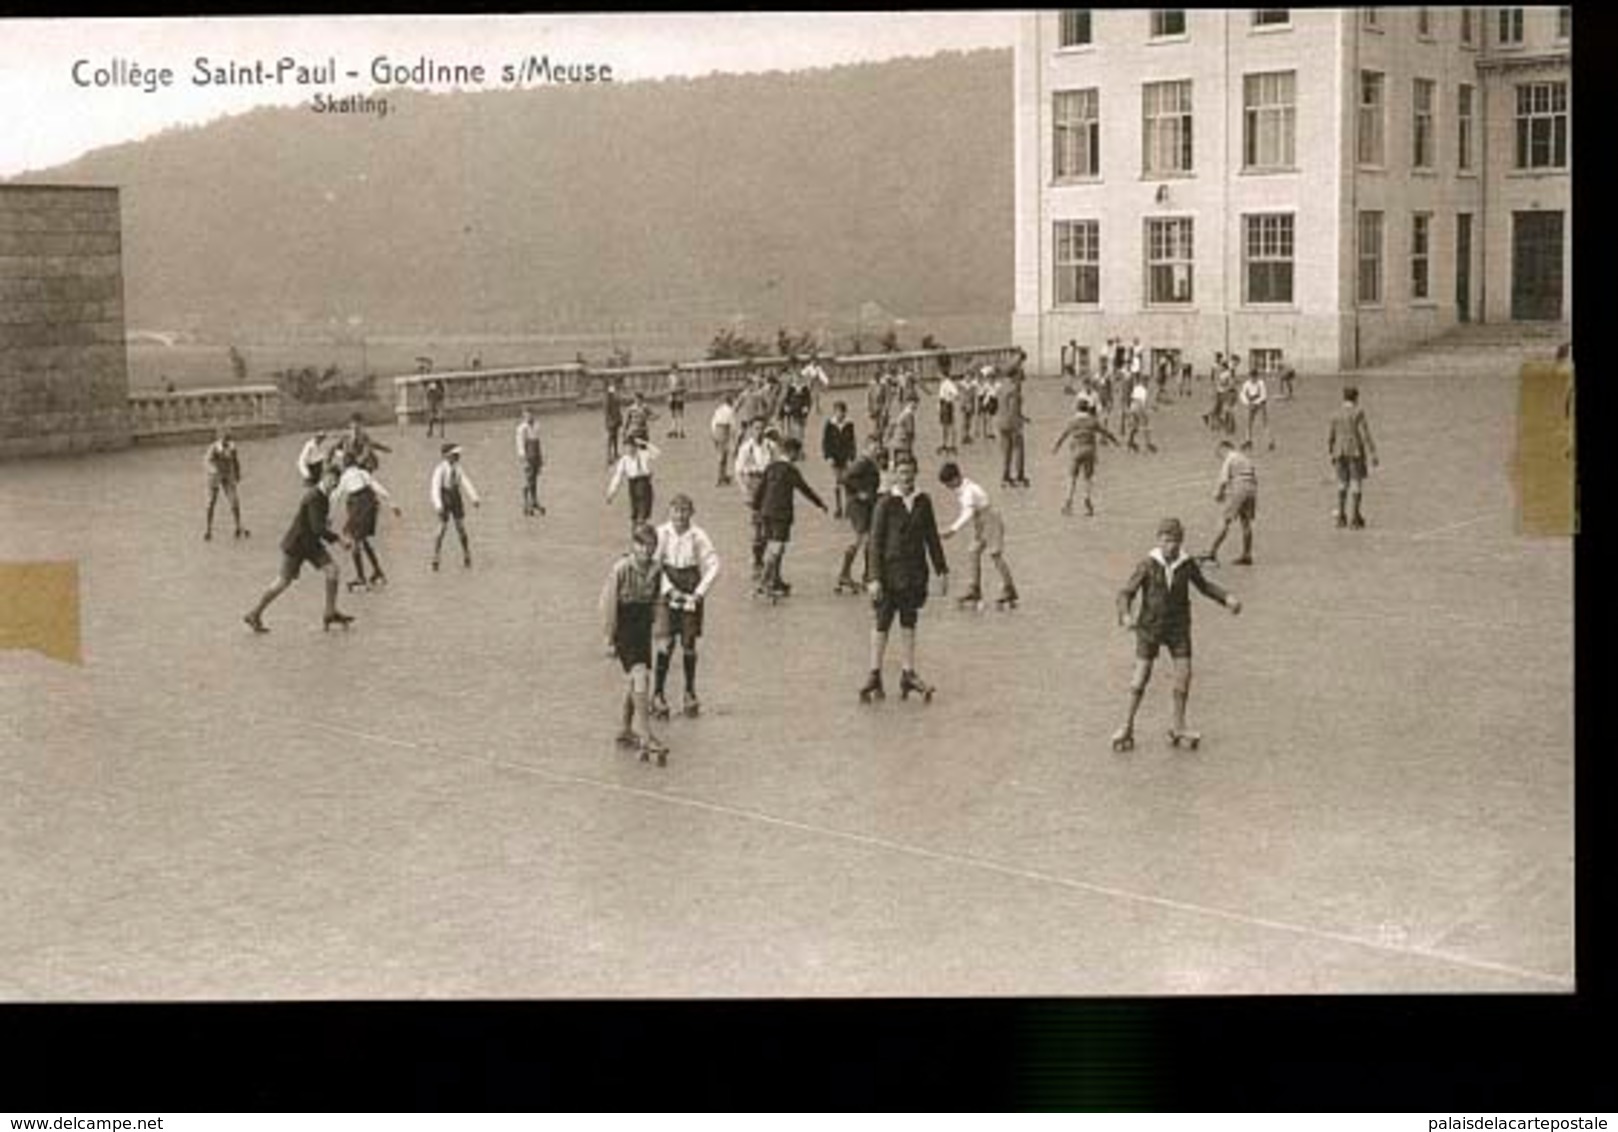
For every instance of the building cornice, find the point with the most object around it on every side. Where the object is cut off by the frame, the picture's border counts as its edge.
(1517, 61)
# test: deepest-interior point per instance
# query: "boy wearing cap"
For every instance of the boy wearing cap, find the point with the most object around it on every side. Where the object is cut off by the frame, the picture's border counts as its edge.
(690, 565)
(305, 541)
(448, 490)
(1163, 580)
(627, 602)
(224, 467)
(1348, 445)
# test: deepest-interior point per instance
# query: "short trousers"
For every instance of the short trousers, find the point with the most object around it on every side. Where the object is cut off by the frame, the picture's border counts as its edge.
(1178, 641)
(632, 635)
(292, 564)
(859, 515)
(905, 603)
(1241, 505)
(775, 529)
(1083, 463)
(362, 514)
(989, 532)
(218, 482)
(668, 624)
(946, 413)
(640, 498)
(453, 507)
(1350, 469)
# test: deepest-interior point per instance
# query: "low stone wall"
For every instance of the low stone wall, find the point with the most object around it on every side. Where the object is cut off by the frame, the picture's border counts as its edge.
(194, 414)
(469, 394)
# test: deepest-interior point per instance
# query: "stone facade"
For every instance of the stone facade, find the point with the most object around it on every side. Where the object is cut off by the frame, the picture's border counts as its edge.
(64, 376)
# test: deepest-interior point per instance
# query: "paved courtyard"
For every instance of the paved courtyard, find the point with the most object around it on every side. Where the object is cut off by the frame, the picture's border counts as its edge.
(431, 805)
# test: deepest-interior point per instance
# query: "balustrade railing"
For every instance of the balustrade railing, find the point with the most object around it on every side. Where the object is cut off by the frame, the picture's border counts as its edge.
(246, 410)
(486, 392)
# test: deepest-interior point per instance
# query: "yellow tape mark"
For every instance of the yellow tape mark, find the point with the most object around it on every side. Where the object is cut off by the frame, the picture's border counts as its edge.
(1543, 469)
(39, 609)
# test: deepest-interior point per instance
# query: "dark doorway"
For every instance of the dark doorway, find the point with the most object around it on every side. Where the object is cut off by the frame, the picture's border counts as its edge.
(1536, 266)
(1463, 266)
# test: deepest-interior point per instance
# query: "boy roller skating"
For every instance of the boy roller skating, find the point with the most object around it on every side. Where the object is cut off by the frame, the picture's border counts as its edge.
(988, 534)
(531, 459)
(904, 536)
(448, 490)
(1348, 445)
(1237, 489)
(772, 501)
(627, 601)
(690, 565)
(223, 464)
(1163, 580)
(305, 541)
(1082, 432)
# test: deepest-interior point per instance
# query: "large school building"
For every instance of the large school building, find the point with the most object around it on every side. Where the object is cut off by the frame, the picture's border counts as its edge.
(1323, 186)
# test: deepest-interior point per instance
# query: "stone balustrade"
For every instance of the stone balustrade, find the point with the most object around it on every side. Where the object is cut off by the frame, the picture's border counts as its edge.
(247, 410)
(499, 392)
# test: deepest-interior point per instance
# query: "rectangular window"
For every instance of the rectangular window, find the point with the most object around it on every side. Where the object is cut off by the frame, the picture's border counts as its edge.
(1467, 34)
(1542, 125)
(1264, 360)
(1077, 145)
(1370, 257)
(1269, 120)
(1509, 28)
(1166, 132)
(1271, 17)
(1078, 261)
(1424, 23)
(1421, 141)
(1168, 261)
(1564, 22)
(1074, 28)
(1421, 227)
(1371, 150)
(1371, 18)
(1267, 257)
(1168, 21)
(1463, 127)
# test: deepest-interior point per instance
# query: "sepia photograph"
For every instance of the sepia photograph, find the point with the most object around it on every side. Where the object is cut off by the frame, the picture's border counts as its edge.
(719, 506)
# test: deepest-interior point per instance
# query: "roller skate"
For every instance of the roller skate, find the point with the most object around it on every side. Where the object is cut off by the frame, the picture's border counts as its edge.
(1123, 739)
(910, 682)
(627, 739)
(1357, 522)
(1089, 509)
(243, 532)
(207, 536)
(873, 689)
(1006, 601)
(254, 623)
(358, 584)
(1188, 738)
(466, 560)
(1245, 560)
(651, 747)
(342, 620)
(659, 707)
(691, 707)
(847, 585)
(971, 599)
(378, 580)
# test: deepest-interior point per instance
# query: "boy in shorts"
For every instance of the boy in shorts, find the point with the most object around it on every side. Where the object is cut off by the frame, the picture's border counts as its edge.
(224, 466)
(305, 541)
(1163, 580)
(448, 490)
(772, 501)
(721, 427)
(690, 565)
(1238, 491)
(627, 602)
(904, 536)
(861, 483)
(1081, 432)
(1348, 445)
(988, 534)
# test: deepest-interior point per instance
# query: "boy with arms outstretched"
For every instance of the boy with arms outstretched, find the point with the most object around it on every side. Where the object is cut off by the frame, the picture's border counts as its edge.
(1163, 580)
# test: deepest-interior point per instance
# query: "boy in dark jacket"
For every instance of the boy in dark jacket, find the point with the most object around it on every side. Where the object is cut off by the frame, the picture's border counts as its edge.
(1163, 580)
(772, 501)
(904, 537)
(305, 541)
(837, 447)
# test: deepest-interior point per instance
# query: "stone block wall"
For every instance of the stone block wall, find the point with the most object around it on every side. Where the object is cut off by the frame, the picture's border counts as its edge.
(64, 375)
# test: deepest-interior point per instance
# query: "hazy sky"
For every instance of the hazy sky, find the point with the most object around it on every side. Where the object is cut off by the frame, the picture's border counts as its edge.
(50, 117)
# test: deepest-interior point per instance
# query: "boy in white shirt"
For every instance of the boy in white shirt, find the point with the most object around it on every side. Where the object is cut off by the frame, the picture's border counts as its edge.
(446, 490)
(1255, 396)
(720, 427)
(988, 534)
(690, 565)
